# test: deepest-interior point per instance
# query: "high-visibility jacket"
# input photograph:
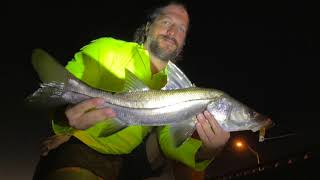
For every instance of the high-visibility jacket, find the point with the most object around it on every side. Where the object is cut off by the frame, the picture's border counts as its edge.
(105, 69)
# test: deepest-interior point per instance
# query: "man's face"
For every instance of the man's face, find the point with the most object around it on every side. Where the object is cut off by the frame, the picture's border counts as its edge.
(167, 33)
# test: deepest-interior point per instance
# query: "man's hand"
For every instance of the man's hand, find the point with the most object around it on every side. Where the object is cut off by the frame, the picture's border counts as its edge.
(212, 135)
(53, 142)
(88, 113)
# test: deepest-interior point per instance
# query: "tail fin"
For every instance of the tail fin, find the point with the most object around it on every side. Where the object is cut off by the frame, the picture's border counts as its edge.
(54, 79)
(48, 95)
(48, 68)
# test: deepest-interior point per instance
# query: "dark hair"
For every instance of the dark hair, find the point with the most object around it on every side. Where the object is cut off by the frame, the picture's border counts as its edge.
(141, 32)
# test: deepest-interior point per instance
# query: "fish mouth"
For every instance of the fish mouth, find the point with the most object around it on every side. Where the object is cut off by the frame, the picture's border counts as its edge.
(263, 122)
(268, 123)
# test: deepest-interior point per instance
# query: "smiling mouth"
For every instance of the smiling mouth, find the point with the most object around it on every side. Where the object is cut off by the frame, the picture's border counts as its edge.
(170, 40)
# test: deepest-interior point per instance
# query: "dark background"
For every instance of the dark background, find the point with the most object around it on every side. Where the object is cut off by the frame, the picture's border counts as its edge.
(263, 53)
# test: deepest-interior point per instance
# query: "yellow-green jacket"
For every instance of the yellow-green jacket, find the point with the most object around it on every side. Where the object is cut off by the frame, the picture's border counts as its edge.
(106, 70)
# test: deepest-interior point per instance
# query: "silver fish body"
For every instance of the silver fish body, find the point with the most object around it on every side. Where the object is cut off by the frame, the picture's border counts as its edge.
(161, 107)
(152, 107)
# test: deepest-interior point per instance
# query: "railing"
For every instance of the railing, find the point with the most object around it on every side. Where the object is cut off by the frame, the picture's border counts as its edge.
(277, 166)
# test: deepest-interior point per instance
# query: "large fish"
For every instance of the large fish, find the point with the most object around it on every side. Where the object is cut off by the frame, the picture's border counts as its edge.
(139, 105)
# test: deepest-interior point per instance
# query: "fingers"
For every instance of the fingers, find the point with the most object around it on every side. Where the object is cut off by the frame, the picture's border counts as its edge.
(201, 133)
(88, 113)
(79, 109)
(209, 130)
(215, 126)
(219, 131)
(92, 117)
(206, 133)
(52, 143)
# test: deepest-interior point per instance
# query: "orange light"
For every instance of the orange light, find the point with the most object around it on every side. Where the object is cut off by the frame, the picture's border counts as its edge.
(239, 144)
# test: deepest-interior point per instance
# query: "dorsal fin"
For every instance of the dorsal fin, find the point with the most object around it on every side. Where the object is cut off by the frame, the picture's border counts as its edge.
(132, 83)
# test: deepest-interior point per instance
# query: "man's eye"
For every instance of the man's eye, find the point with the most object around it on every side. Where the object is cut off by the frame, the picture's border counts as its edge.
(165, 22)
(182, 29)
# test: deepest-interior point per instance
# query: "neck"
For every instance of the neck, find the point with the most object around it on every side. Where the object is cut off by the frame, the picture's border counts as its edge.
(157, 64)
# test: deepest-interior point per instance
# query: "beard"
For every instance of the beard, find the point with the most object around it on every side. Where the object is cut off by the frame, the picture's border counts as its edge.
(163, 53)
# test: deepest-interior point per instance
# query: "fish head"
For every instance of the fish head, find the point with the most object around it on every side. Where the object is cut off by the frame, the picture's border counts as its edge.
(235, 116)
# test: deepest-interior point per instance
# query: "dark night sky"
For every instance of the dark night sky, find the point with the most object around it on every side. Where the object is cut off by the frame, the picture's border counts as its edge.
(261, 53)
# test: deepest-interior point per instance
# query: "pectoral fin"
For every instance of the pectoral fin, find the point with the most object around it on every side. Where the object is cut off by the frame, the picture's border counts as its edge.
(182, 131)
(112, 126)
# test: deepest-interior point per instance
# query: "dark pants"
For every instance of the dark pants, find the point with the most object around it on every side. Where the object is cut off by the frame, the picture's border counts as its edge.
(74, 153)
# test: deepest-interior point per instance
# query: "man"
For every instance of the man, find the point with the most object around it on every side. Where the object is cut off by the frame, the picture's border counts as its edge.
(90, 153)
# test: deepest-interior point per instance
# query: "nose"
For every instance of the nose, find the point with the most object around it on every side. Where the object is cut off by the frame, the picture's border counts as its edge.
(172, 30)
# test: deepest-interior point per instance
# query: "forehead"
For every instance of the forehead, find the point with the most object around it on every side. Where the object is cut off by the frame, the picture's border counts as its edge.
(176, 11)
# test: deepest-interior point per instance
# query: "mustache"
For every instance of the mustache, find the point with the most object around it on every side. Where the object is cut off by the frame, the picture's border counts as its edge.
(170, 38)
